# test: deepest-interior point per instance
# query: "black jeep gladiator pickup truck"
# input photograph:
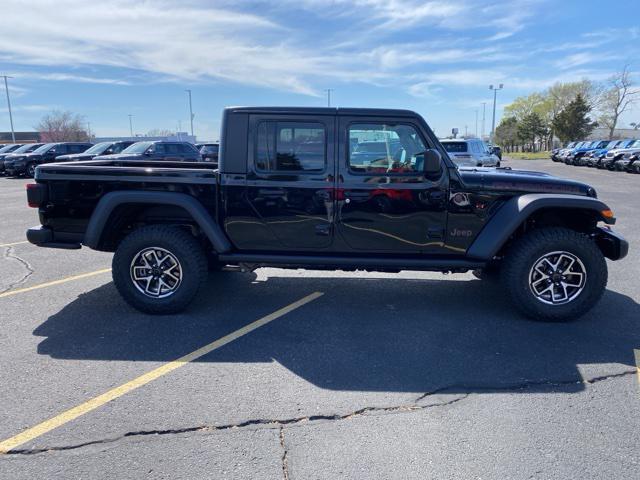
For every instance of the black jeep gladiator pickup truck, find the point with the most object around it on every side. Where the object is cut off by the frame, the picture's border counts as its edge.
(293, 191)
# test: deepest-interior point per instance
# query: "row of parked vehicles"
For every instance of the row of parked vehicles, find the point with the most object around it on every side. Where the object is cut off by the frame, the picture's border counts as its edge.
(22, 159)
(614, 155)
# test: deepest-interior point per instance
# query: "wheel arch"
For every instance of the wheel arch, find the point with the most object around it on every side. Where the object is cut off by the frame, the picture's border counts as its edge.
(522, 213)
(115, 208)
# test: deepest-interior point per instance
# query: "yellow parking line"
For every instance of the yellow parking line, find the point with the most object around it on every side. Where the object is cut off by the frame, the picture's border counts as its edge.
(55, 282)
(117, 392)
(12, 244)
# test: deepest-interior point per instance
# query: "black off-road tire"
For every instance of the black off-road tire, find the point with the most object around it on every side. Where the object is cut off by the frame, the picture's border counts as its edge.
(522, 256)
(179, 243)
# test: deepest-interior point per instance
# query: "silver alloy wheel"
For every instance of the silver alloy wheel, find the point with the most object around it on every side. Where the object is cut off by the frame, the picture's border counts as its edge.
(31, 170)
(557, 278)
(156, 272)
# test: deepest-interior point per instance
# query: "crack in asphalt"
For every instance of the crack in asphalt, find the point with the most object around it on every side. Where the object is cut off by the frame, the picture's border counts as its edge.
(9, 254)
(285, 461)
(281, 423)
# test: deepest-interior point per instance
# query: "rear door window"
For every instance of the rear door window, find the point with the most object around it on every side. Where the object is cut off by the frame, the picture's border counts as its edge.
(290, 146)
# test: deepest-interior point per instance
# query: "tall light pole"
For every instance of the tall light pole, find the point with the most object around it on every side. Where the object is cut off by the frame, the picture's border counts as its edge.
(476, 122)
(493, 122)
(6, 87)
(329, 90)
(190, 111)
(130, 125)
(484, 106)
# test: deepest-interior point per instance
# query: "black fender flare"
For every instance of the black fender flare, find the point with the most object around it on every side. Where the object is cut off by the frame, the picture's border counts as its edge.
(111, 200)
(517, 209)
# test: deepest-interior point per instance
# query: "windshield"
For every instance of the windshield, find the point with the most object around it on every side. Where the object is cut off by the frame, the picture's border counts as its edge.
(455, 147)
(635, 144)
(139, 147)
(612, 144)
(98, 148)
(44, 148)
(29, 147)
(370, 147)
(8, 148)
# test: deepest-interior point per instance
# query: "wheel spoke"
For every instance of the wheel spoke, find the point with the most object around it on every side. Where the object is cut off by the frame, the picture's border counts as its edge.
(557, 278)
(156, 272)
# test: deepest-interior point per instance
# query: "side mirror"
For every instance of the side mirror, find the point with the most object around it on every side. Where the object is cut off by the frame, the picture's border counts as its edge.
(431, 162)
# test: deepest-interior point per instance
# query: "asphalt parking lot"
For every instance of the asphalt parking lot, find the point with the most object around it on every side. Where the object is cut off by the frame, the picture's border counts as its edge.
(344, 375)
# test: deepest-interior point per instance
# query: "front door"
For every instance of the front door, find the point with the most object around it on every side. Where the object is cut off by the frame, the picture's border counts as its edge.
(385, 203)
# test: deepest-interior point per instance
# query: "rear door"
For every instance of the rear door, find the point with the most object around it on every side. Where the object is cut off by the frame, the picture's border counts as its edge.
(384, 201)
(290, 183)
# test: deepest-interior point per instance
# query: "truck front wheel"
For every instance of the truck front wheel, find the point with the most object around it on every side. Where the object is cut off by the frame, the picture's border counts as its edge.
(554, 274)
(159, 269)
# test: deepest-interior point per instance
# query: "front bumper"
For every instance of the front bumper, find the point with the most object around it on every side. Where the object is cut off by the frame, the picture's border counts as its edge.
(14, 168)
(612, 244)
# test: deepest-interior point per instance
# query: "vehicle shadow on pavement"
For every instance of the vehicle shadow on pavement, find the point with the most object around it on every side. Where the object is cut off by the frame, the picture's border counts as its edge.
(364, 334)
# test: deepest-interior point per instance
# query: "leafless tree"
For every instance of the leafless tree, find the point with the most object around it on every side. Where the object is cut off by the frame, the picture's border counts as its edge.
(619, 95)
(60, 126)
(160, 132)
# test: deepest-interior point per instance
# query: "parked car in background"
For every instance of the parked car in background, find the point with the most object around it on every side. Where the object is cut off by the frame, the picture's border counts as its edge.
(616, 154)
(562, 154)
(556, 151)
(593, 158)
(374, 152)
(625, 164)
(25, 164)
(209, 152)
(27, 148)
(102, 148)
(496, 150)
(577, 153)
(9, 148)
(157, 151)
(471, 152)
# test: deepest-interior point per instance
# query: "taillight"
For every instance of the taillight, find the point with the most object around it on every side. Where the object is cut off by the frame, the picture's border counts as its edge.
(36, 194)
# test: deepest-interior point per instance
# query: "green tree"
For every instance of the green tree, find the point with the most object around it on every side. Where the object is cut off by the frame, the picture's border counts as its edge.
(506, 134)
(532, 127)
(573, 122)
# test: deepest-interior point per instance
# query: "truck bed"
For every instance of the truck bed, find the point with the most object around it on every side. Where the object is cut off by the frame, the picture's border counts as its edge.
(129, 170)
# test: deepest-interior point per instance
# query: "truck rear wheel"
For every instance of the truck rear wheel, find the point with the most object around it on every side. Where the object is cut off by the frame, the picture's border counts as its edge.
(554, 274)
(159, 269)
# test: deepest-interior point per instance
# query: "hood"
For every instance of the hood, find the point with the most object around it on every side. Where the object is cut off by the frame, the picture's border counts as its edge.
(74, 156)
(618, 151)
(522, 181)
(120, 156)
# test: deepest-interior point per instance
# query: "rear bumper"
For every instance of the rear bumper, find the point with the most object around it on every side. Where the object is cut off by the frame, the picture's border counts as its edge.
(44, 237)
(613, 245)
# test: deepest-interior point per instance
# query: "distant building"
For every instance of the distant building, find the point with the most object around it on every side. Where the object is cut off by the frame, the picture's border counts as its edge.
(21, 137)
(178, 137)
(618, 134)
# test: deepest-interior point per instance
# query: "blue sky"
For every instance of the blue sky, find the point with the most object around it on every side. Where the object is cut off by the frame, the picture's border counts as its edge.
(107, 59)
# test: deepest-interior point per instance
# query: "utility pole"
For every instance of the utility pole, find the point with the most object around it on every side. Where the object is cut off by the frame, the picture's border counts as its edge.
(89, 130)
(476, 122)
(493, 122)
(6, 87)
(329, 90)
(190, 111)
(130, 125)
(484, 105)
